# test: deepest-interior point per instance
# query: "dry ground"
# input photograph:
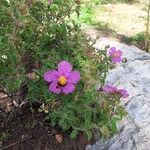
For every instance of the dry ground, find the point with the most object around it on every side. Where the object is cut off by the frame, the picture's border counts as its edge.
(126, 19)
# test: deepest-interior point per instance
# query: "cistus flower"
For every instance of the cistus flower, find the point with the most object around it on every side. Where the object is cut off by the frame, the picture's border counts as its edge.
(108, 89)
(124, 93)
(116, 55)
(63, 79)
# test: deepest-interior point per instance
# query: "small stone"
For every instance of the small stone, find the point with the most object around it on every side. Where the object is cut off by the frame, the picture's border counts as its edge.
(88, 147)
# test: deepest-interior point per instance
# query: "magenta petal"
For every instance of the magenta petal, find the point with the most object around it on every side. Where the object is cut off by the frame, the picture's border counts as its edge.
(120, 52)
(69, 88)
(51, 75)
(74, 77)
(64, 67)
(54, 87)
(108, 89)
(124, 93)
(117, 60)
(112, 50)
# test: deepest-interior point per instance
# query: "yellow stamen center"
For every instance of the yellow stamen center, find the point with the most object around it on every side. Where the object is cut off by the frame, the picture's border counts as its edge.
(62, 80)
(116, 54)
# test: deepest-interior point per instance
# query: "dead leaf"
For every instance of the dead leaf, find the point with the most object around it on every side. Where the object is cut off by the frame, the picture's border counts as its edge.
(32, 75)
(58, 137)
(44, 107)
(37, 65)
(15, 103)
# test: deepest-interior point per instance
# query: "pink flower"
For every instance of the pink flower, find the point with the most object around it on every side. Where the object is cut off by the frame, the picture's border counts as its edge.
(63, 79)
(124, 93)
(116, 55)
(108, 89)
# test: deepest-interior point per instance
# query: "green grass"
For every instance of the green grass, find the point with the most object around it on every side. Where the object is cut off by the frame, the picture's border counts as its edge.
(140, 37)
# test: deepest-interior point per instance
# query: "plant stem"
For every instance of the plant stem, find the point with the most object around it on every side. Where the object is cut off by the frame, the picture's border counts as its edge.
(147, 41)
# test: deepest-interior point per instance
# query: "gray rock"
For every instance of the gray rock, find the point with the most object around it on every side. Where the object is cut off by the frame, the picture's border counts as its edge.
(134, 76)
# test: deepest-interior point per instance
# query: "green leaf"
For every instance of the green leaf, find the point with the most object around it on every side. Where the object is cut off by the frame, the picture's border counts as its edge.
(89, 134)
(113, 126)
(73, 134)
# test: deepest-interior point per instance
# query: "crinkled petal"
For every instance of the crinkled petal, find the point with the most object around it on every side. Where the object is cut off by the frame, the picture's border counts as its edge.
(74, 77)
(124, 93)
(51, 75)
(108, 89)
(117, 60)
(120, 52)
(69, 88)
(64, 67)
(55, 88)
(112, 50)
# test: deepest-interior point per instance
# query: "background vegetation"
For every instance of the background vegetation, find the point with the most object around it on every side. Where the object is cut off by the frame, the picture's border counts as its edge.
(126, 21)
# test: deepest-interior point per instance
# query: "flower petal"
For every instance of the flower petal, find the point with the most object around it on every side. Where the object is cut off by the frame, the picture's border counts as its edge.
(108, 89)
(112, 50)
(55, 88)
(74, 77)
(117, 60)
(124, 93)
(69, 88)
(120, 52)
(64, 67)
(51, 75)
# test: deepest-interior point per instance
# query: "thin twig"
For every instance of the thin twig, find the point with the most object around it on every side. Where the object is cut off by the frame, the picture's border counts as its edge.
(65, 15)
(14, 143)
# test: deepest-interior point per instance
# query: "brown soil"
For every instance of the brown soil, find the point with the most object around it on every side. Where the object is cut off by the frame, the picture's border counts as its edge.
(24, 128)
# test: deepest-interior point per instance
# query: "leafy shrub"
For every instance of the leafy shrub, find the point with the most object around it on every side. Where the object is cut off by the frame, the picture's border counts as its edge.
(34, 37)
(86, 14)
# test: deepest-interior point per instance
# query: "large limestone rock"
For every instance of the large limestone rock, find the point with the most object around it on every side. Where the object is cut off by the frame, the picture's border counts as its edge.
(134, 75)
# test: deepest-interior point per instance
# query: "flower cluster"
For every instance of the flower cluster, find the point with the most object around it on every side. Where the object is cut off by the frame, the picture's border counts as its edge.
(108, 89)
(116, 57)
(63, 79)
